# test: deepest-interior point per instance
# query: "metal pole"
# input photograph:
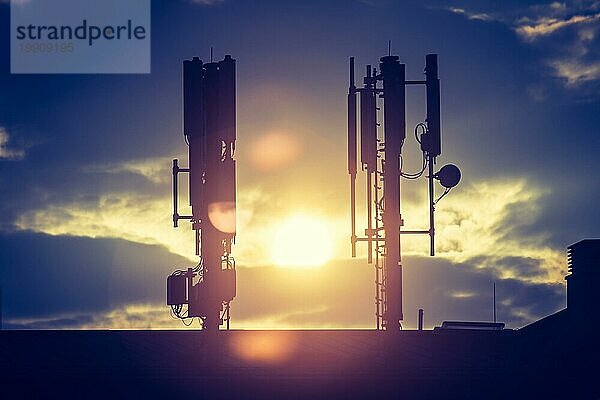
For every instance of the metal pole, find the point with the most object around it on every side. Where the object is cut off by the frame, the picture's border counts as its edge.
(369, 219)
(494, 302)
(432, 83)
(352, 153)
(353, 212)
(228, 314)
(378, 298)
(431, 209)
(175, 172)
(395, 131)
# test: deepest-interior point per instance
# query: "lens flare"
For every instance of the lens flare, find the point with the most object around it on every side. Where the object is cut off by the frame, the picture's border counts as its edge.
(222, 216)
(274, 150)
(264, 347)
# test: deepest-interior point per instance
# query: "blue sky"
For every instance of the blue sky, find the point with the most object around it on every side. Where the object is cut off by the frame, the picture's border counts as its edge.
(84, 161)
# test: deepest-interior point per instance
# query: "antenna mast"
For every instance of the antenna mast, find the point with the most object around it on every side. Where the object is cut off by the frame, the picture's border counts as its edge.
(209, 123)
(380, 159)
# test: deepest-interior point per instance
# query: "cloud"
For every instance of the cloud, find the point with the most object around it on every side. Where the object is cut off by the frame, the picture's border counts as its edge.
(565, 31)
(478, 220)
(95, 282)
(14, 2)
(462, 294)
(46, 276)
(8, 152)
(206, 2)
(130, 316)
(136, 217)
(155, 169)
(575, 72)
(471, 15)
(130, 216)
(337, 295)
(531, 30)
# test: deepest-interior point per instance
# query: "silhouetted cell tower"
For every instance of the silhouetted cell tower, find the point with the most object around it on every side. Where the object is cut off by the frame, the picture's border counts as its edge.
(381, 159)
(209, 125)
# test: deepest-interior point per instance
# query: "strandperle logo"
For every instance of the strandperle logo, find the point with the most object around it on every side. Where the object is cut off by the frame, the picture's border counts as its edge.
(80, 36)
(85, 31)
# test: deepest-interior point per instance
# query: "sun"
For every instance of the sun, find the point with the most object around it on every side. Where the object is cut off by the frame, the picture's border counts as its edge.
(302, 241)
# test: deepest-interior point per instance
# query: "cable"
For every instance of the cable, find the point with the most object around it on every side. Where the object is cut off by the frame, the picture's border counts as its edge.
(196, 269)
(188, 324)
(442, 196)
(423, 126)
(176, 310)
(418, 174)
(415, 175)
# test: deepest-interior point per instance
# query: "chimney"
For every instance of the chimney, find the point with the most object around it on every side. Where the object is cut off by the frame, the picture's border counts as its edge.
(583, 281)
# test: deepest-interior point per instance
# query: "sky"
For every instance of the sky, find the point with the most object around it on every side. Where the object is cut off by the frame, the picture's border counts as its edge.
(86, 239)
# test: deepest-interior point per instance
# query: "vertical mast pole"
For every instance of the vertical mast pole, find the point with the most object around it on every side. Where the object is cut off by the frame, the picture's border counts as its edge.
(352, 150)
(395, 131)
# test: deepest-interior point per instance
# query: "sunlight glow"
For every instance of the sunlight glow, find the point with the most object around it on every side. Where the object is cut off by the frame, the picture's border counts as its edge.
(302, 240)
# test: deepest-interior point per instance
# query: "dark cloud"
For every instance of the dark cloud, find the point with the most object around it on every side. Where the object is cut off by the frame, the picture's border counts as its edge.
(564, 218)
(431, 284)
(136, 317)
(565, 32)
(70, 282)
(75, 322)
(44, 276)
(525, 268)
